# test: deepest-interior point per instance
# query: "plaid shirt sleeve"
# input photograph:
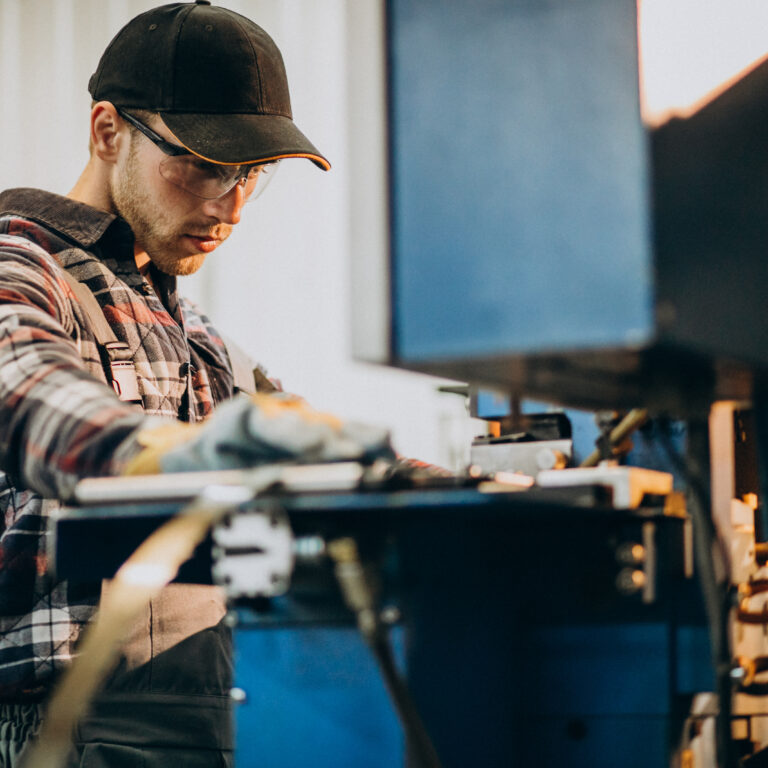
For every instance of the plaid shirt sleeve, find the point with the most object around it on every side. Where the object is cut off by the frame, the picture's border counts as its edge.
(57, 422)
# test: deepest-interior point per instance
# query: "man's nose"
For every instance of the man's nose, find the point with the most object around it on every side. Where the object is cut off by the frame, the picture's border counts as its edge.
(227, 207)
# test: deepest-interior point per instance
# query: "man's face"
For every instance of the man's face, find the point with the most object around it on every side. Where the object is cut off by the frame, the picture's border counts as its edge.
(175, 228)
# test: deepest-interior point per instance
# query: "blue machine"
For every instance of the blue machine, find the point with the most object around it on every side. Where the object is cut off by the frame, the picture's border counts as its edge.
(517, 640)
(523, 632)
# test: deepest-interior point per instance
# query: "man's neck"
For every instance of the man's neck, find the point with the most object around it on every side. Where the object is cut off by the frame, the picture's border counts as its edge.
(92, 188)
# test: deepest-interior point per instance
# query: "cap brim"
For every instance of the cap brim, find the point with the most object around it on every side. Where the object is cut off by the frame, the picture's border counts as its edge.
(238, 139)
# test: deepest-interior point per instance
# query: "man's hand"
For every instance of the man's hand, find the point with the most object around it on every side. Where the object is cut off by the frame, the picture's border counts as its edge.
(260, 429)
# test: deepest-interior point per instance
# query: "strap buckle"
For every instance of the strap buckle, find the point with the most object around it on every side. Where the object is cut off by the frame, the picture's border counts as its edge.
(125, 380)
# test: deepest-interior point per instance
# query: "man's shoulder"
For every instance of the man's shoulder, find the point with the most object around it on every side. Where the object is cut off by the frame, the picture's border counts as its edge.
(28, 203)
(30, 251)
(19, 222)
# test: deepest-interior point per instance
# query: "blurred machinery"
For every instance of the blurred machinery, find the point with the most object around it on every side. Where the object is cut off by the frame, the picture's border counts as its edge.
(541, 240)
(568, 252)
(572, 254)
(537, 627)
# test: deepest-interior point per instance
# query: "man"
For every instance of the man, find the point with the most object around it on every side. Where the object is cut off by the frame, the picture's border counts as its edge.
(190, 114)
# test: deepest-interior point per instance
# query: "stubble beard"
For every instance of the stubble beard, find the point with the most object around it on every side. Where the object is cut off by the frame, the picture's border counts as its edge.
(151, 228)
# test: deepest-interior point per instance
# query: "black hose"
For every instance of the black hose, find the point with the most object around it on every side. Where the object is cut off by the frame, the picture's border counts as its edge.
(360, 596)
(760, 411)
(420, 745)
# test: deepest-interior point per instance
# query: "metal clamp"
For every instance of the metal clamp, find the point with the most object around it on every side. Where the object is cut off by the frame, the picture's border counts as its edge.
(253, 554)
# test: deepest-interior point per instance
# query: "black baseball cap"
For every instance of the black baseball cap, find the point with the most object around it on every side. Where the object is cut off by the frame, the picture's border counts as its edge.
(217, 80)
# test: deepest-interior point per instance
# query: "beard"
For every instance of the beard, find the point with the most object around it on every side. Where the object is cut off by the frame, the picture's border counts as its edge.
(154, 229)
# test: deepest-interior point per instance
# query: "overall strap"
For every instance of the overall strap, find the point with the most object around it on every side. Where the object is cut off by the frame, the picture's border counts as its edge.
(122, 370)
(248, 379)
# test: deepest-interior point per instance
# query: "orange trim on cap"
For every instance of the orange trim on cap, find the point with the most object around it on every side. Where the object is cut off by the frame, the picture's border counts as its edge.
(326, 165)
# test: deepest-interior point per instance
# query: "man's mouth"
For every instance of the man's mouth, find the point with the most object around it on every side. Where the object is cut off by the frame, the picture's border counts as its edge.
(205, 243)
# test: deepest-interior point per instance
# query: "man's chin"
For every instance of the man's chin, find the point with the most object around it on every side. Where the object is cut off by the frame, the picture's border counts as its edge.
(178, 267)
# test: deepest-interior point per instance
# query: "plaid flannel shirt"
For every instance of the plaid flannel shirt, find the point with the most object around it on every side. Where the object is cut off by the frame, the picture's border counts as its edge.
(60, 420)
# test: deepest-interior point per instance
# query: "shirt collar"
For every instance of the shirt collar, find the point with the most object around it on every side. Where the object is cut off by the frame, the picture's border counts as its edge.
(76, 221)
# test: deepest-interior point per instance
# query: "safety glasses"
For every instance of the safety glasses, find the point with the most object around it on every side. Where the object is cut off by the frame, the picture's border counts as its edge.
(199, 177)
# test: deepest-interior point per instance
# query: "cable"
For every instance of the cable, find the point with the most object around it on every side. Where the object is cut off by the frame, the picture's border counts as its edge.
(632, 421)
(359, 595)
(760, 412)
(713, 567)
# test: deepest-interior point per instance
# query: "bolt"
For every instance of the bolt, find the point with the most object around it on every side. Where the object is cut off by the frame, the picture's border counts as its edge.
(390, 614)
(738, 673)
(309, 547)
(630, 553)
(630, 581)
(278, 583)
(548, 458)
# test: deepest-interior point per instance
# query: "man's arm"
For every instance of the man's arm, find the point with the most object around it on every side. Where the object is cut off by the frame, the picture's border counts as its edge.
(58, 423)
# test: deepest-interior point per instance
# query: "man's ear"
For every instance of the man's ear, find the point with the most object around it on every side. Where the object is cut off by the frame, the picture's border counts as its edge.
(108, 131)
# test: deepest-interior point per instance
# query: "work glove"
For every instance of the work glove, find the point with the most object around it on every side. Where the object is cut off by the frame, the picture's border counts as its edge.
(259, 429)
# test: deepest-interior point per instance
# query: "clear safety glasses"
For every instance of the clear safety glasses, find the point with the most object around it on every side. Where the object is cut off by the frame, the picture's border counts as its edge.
(201, 178)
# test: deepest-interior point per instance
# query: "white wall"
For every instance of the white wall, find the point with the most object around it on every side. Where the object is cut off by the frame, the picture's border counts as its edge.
(280, 286)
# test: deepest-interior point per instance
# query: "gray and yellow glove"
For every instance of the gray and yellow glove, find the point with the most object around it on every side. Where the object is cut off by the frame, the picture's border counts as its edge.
(260, 429)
